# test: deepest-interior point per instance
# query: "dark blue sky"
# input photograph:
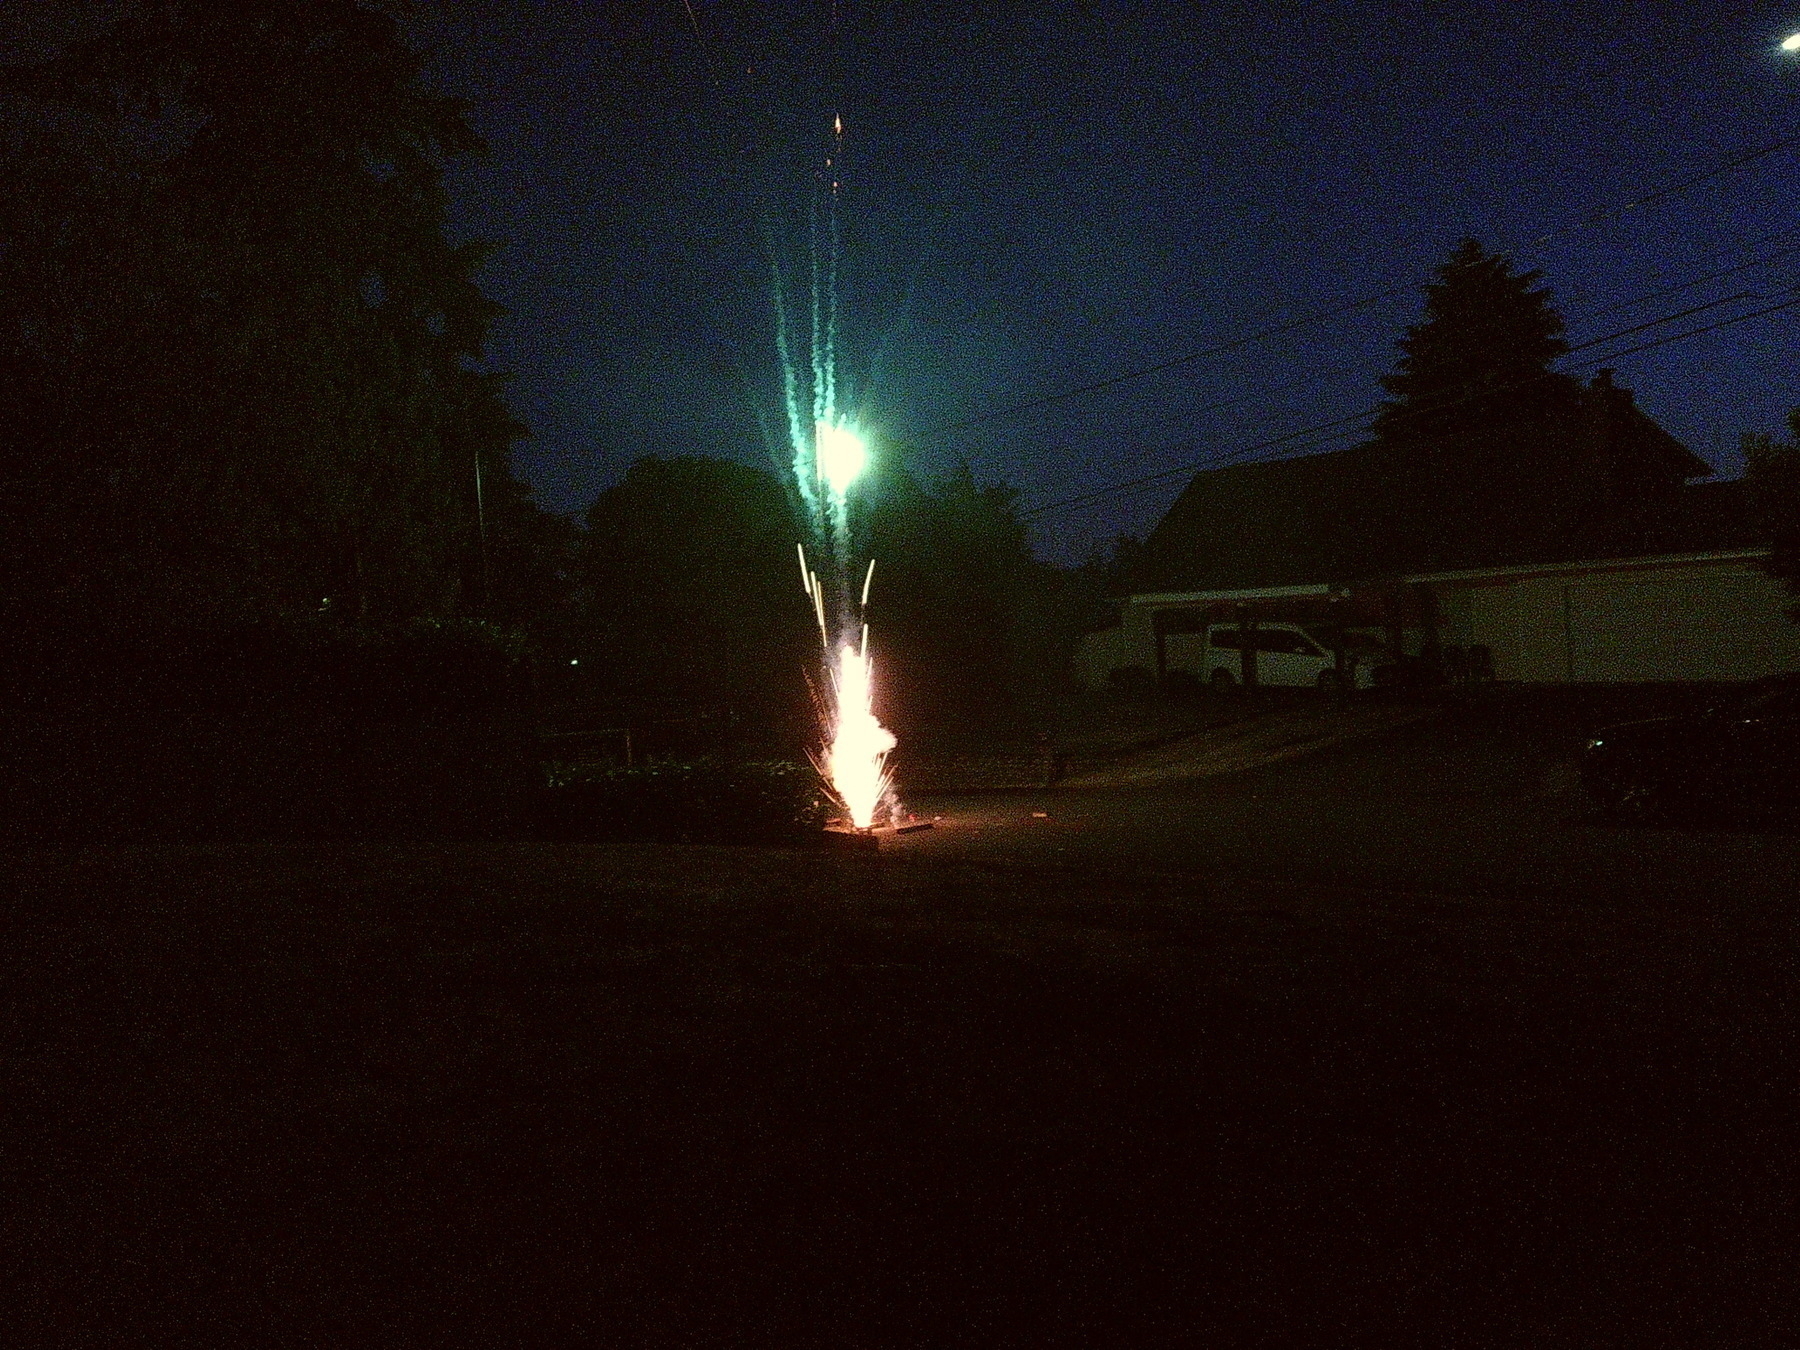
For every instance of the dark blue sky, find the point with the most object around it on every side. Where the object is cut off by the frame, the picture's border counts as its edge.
(1037, 196)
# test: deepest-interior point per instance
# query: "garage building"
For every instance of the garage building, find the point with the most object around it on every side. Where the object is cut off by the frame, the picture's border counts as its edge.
(1608, 565)
(1693, 616)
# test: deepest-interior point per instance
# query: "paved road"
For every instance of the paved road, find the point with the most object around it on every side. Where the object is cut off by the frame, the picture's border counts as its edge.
(1457, 804)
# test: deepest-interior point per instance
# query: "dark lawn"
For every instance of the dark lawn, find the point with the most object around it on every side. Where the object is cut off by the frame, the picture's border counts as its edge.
(672, 1096)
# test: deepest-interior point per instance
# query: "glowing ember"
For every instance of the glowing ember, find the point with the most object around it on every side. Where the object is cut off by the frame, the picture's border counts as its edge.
(856, 759)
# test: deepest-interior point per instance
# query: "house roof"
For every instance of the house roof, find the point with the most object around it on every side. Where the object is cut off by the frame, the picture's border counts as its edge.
(1252, 526)
(1524, 571)
(1609, 482)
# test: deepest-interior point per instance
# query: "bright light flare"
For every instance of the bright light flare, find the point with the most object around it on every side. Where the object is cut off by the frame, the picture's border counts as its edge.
(1791, 43)
(856, 759)
(840, 454)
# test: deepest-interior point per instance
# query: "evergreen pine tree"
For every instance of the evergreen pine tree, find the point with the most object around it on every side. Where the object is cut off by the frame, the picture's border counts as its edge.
(1477, 456)
(1481, 358)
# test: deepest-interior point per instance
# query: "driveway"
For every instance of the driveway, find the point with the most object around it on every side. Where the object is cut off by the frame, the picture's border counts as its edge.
(1460, 803)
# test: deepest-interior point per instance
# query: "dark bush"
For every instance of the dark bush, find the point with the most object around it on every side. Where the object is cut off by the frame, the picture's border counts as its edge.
(269, 730)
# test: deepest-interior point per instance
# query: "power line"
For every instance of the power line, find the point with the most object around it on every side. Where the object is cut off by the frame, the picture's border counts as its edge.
(1244, 452)
(1359, 417)
(1094, 387)
(1763, 261)
(1594, 217)
(1692, 332)
(1315, 376)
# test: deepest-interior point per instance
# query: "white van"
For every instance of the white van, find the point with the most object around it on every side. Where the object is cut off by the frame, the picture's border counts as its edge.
(1286, 654)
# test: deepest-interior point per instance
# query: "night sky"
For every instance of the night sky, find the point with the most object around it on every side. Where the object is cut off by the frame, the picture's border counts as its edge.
(1036, 197)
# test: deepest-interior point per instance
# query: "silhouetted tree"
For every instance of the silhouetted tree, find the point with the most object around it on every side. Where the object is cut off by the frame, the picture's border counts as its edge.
(1471, 457)
(690, 586)
(971, 623)
(1091, 592)
(955, 569)
(525, 573)
(1117, 569)
(1481, 357)
(246, 343)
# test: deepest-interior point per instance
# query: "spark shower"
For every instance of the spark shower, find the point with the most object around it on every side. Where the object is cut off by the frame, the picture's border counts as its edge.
(829, 457)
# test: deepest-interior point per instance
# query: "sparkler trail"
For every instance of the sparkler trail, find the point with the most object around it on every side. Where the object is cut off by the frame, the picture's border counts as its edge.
(829, 457)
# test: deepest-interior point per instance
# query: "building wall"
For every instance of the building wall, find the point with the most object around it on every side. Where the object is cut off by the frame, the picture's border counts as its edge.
(1130, 644)
(1602, 623)
(1695, 621)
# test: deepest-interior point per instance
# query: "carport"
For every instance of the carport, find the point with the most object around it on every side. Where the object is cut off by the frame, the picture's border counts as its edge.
(1388, 606)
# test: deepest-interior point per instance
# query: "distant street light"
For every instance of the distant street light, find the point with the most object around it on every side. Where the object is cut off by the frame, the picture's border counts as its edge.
(1791, 43)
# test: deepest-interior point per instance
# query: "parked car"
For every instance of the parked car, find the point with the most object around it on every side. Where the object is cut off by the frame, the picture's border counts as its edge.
(1286, 654)
(1744, 753)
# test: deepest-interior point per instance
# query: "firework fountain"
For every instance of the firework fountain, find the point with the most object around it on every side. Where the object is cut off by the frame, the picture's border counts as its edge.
(829, 457)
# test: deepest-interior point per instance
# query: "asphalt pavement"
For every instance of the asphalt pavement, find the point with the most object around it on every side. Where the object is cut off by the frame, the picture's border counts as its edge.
(1452, 803)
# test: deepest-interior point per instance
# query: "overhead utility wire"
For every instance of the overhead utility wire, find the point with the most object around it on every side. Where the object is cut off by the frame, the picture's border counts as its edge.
(1624, 304)
(1595, 216)
(1762, 261)
(1359, 417)
(1316, 376)
(1235, 456)
(1249, 339)
(1692, 332)
(1229, 458)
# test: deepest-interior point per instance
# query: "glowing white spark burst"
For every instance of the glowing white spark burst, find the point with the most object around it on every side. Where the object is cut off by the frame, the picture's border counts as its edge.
(829, 455)
(840, 455)
(1791, 44)
(856, 759)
